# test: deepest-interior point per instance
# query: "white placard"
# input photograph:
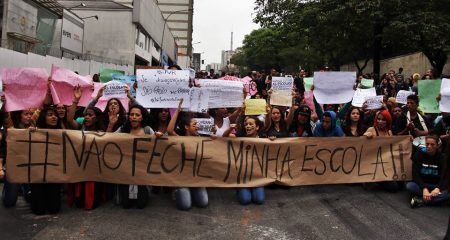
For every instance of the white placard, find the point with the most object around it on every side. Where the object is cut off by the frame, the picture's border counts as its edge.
(223, 93)
(402, 95)
(199, 100)
(360, 96)
(444, 104)
(115, 89)
(281, 91)
(159, 88)
(1, 90)
(205, 125)
(334, 87)
(374, 102)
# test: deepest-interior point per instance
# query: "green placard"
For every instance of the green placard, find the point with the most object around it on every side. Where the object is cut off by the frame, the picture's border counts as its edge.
(308, 82)
(428, 91)
(106, 74)
(366, 83)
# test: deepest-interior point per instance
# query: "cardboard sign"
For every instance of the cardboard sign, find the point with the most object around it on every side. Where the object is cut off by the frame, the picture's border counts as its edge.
(67, 156)
(223, 93)
(361, 94)
(158, 88)
(205, 125)
(281, 91)
(334, 87)
(255, 106)
(402, 95)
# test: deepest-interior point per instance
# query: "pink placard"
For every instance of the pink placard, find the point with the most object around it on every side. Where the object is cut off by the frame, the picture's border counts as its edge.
(24, 87)
(309, 100)
(63, 83)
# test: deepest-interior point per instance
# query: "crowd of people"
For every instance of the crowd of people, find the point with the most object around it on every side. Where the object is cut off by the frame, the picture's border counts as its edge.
(430, 157)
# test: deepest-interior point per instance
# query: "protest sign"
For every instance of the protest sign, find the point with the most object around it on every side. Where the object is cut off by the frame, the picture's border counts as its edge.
(428, 91)
(103, 101)
(106, 74)
(223, 93)
(374, 102)
(255, 106)
(366, 83)
(129, 80)
(360, 96)
(402, 95)
(63, 83)
(198, 100)
(249, 86)
(308, 82)
(309, 100)
(1, 90)
(67, 156)
(205, 125)
(24, 87)
(158, 88)
(444, 104)
(281, 91)
(115, 89)
(334, 87)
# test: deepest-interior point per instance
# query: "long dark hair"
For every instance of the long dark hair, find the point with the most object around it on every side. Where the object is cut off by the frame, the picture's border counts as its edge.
(360, 129)
(122, 115)
(126, 128)
(283, 125)
(257, 122)
(99, 124)
(184, 121)
(42, 123)
(295, 124)
(153, 119)
(16, 118)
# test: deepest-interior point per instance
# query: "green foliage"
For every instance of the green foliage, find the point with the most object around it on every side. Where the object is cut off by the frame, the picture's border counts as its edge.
(316, 33)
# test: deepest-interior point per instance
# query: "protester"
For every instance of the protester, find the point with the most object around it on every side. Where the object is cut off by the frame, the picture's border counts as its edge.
(46, 197)
(354, 126)
(135, 125)
(430, 183)
(275, 124)
(186, 197)
(328, 126)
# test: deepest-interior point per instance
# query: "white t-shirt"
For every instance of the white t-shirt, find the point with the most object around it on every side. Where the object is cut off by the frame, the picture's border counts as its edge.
(225, 126)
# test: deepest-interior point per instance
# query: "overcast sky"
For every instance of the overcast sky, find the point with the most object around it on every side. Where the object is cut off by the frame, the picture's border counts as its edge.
(214, 20)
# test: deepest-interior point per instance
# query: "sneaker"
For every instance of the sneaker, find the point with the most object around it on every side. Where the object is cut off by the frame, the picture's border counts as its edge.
(416, 202)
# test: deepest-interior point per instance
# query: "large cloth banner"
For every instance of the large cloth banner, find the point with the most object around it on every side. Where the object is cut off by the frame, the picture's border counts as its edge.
(63, 83)
(159, 88)
(444, 104)
(334, 87)
(24, 87)
(67, 156)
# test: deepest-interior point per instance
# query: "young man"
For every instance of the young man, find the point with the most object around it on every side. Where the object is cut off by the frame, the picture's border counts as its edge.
(430, 182)
(412, 122)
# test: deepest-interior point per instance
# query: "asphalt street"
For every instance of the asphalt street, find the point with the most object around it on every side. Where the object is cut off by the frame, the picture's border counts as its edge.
(311, 212)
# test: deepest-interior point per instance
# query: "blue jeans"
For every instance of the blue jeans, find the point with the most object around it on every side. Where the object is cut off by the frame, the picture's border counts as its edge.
(184, 197)
(248, 195)
(415, 189)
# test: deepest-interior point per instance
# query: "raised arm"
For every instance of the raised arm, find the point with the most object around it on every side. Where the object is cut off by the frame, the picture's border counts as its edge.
(73, 108)
(173, 121)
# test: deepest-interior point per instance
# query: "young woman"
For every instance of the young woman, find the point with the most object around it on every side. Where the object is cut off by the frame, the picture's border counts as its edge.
(382, 128)
(19, 120)
(246, 195)
(354, 126)
(222, 119)
(85, 194)
(46, 197)
(133, 195)
(184, 196)
(275, 125)
(159, 119)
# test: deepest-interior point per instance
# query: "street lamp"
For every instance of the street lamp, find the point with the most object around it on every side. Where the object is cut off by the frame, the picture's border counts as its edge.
(164, 30)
